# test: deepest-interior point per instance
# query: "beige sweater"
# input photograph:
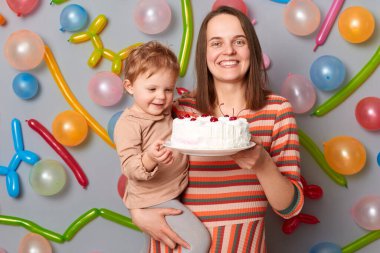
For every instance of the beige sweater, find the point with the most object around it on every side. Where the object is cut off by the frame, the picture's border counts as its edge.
(134, 133)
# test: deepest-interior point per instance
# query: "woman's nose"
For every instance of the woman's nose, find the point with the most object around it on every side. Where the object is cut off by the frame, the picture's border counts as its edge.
(229, 49)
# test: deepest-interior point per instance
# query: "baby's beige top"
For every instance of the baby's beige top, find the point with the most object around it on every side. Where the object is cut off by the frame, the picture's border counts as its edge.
(134, 133)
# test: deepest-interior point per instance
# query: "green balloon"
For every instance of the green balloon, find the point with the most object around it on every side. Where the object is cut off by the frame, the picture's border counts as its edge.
(47, 177)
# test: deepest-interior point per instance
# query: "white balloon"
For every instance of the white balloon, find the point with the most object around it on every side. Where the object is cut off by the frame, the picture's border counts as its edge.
(152, 16)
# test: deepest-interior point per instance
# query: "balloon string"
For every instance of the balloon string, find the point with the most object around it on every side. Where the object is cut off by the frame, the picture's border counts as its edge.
(318, 156)
(73, 228)
(70, 98)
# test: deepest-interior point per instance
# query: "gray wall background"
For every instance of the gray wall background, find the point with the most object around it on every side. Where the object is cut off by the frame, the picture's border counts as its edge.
(288, 53)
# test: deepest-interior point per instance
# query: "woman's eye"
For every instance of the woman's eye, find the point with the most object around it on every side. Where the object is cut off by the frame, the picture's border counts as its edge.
(216, 44)
(240, 42)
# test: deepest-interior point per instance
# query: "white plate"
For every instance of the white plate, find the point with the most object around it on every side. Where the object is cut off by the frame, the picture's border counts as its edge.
(208, 152)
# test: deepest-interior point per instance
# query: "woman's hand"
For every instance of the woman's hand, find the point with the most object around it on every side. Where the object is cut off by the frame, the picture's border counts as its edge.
(152, 221)
(254, 158)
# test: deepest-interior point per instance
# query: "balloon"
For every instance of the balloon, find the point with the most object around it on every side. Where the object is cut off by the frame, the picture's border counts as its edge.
(311, 191)
(187, 37)
(121, 184)
(61, 151)
(291, 224)
(281, 1)
(70, 128)
(25, 85)
(318, 156)
(106, 88)
(22, 7)
(34, 243)
(366, 212)
(73, 18)
(2, 250)
(237, 4)
(346, 155)
(70, 98)
(18, 143)
(24, 50)
(47, 177)
(57, 1)
(367, 113)
(93, 34)
(13, 184)
(325, 247)
(349, 88)
(266, 61)
(356, 24)
(80, 222)
(300, 93)
(328, 23)
(3, 21)
(112, 123)
(118, 218)
(301, 17)
(152, 16)
(327, 72)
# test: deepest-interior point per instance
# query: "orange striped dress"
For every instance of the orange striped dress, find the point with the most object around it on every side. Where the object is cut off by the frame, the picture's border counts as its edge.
(229, 200)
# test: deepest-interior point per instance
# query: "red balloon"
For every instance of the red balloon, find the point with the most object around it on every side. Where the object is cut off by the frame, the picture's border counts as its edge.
(61, 151)
(367, 113)
(22, 7)
(121, 184)
(237, 4)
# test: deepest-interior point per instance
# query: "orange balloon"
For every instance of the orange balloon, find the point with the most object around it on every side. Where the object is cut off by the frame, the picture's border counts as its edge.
(356, 24)
(70, 128)
(345, 155)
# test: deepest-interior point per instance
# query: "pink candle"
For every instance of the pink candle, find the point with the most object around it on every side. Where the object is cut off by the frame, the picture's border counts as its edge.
(328, 23)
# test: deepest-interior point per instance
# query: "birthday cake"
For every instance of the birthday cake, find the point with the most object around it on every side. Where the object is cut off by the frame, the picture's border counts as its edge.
(208, 132)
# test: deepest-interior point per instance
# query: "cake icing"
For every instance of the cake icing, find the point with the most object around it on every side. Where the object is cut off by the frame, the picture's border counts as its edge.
(209, 132)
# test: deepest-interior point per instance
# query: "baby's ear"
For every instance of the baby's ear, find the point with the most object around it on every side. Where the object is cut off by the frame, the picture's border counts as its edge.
(128, 86)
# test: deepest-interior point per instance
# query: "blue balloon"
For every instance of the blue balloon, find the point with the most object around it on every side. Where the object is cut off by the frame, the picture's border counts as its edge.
(327, 73)
(25, 85)
(13, 184)
(112, 123)
(325, 247)
(73, 18)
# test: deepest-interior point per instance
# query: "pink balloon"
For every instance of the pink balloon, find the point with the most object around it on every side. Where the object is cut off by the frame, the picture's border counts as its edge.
(24, 50)
(301, 17)
(328, 23)
(2, 250)
(300, 93)
(22, 7)
(34, 243)
(106, 88)
(367, 113)
(237, 4)
(152, 16)
(366, 212)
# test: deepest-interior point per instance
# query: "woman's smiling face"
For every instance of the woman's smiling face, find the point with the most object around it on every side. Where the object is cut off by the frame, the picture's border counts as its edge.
(228, 54)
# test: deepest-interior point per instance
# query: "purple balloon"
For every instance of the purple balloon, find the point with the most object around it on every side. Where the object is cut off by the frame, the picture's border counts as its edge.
(152, 16)
(106, 88)
(366, 212)
(300, 93)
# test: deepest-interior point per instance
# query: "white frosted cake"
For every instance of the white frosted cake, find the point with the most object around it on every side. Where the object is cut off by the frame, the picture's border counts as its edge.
(209, 132)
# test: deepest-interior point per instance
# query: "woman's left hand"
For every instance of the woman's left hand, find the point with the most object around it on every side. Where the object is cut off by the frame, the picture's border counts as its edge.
(254, 158)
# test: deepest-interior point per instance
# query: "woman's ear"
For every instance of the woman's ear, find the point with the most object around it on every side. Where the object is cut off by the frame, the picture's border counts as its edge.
(128, 86)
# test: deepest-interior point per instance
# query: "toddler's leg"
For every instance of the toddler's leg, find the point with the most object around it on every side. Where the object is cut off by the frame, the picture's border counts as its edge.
(189, 227)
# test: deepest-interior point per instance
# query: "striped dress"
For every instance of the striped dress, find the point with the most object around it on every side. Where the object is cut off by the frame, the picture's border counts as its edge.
(229, 200)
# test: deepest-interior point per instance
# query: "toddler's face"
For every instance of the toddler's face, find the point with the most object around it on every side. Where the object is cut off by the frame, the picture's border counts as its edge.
(153, 94)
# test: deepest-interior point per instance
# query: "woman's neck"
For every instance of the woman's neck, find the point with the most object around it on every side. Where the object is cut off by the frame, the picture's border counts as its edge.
(232, 98)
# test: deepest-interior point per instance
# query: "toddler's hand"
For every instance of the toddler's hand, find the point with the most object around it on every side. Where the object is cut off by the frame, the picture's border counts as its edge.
(160, 154)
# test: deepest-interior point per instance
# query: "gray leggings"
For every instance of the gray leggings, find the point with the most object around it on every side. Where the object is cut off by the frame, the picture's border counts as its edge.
(186, 225)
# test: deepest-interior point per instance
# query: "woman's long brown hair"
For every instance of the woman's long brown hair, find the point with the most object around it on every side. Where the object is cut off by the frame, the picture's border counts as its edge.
(255, 79)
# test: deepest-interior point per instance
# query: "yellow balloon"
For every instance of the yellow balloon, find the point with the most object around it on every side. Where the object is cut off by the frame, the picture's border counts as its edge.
(356, 24)
(346, 155)
(70, 128)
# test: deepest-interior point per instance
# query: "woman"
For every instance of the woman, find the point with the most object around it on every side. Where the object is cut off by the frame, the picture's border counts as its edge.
(230, 194)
